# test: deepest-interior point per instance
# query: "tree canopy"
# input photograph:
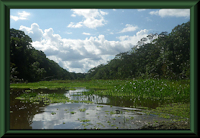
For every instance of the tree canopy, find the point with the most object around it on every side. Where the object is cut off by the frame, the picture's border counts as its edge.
(167, 56)
(29, 64)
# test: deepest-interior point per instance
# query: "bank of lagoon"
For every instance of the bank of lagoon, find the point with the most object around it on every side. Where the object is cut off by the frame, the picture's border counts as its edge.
(100, 104)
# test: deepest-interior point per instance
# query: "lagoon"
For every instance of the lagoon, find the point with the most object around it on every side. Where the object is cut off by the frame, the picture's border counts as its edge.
(101, 112)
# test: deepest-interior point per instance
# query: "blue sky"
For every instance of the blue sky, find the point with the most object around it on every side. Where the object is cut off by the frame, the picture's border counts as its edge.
(80, 39)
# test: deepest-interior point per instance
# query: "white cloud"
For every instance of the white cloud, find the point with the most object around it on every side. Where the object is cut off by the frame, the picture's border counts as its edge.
(21, 16)
(92, 18)
(103, 13)
(121, 38)
(34, 31)
(86, 33)
(141, 10)
(114, 9)
(80, 55)
(154, 12)
(78, 25)
(129, 28)
(172, 12)
(73, 15)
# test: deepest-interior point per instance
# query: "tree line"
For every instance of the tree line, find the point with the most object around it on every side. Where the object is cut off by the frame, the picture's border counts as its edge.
(167, 56)
(29, 64)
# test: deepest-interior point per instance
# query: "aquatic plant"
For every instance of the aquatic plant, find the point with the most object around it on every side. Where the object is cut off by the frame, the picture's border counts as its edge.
(82, 110)
(99, 106)
(53, 113)
(72, 112)
(86, 120)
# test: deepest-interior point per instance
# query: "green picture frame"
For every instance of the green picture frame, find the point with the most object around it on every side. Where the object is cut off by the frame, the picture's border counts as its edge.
(6, 5)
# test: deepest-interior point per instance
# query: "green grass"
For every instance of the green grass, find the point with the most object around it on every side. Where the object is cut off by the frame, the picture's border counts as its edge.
(177, 91)
(165, 92)
(47, 99)
(173, 111)
(69, 84)
(178, 109)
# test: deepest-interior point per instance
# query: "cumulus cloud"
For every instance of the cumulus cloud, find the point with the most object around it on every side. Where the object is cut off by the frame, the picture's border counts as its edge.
(129, 28)
(78, 55)
(86, 33)
(21, 16)
(34, 31)
(92, 18)
(141, 10)
(172, 12)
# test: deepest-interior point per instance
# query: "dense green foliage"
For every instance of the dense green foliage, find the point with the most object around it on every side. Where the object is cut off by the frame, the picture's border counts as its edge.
(29, 64)
(144, 89)
(167, 57)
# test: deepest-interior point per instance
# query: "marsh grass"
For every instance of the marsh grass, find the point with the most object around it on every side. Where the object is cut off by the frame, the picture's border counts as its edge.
(173, 96)
(47, 99)
(177, 91)
(70, 84)
(166, 92)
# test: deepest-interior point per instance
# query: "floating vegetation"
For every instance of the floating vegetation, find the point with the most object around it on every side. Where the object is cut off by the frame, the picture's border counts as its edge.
(111, 112)
(100, 124)
(99, 106)
(47, 99)
(171, 98)
(86, 124)
(72, 112)
(82, 110)
(85, 120)
(53, 113)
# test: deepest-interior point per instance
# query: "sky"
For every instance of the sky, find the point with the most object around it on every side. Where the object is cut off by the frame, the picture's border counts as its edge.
(80, 39)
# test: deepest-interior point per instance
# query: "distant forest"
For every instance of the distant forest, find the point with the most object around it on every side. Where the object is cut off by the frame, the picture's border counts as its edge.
(166, 57)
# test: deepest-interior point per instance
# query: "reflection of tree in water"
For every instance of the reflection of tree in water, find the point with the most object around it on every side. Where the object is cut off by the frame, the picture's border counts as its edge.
(93, 98)
(23, 113)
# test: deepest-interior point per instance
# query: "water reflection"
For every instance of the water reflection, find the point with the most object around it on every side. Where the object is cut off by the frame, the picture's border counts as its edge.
(27, 115)
(76, 95)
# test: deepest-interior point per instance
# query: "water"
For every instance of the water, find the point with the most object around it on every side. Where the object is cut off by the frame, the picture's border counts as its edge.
(105, 112)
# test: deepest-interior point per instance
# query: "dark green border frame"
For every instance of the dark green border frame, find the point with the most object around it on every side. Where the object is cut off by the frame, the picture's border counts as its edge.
(6, 5)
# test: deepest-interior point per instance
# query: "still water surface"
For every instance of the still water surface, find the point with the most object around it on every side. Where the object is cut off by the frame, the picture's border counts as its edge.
(104, 113)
